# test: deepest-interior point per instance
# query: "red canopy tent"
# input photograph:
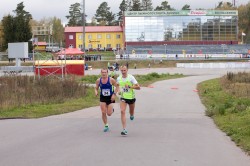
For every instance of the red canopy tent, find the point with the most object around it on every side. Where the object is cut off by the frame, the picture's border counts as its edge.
(70, 51)
(62, 67)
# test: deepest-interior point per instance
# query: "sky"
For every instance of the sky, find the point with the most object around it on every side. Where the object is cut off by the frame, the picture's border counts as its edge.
(40, 9)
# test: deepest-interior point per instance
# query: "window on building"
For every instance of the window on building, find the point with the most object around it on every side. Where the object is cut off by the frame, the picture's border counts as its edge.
(118, 36)
(118, 46)
(99, 46)
(90, 46)
(71, 46)
(80, 37)
(80, 46)
(71, 37)
(99, 36)
(108, 36)
(108, 45)
(89, 36)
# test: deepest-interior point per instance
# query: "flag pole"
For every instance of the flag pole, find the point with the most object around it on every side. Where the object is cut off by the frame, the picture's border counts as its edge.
(241, 37)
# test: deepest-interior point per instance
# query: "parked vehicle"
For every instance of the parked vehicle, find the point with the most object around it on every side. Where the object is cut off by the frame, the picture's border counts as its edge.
(52, 49)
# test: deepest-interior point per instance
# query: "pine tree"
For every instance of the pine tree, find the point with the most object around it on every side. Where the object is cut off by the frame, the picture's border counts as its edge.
(17, 28)
(136, 6)
(75, 15)
(103, 14)
(123, 7)
(164, 6)
(186, 7)
(147, 5)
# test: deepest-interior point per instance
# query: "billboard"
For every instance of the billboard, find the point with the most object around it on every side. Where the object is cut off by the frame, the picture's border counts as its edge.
(18, 50)
(181, 13)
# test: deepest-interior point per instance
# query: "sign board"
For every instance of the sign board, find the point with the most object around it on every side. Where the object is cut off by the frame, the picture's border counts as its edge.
(181, 13)
(18, 50)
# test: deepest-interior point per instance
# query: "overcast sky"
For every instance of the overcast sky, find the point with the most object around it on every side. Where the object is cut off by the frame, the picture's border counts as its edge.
(60, 8)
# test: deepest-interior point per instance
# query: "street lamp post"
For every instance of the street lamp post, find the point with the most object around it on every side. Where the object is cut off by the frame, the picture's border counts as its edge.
(83, 25)
(223, 46)
(165, 48)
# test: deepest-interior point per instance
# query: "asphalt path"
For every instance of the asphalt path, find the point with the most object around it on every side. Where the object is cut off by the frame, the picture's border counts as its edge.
(170, 128)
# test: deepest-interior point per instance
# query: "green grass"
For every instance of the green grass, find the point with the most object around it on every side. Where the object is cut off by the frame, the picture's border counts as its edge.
(43, 110)
(70, 105)
(139, 63)
(231, 114)
(90, 79)
(143, 80)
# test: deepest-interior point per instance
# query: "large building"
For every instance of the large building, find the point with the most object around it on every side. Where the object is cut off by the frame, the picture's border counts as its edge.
(96, 37)
(185, 27)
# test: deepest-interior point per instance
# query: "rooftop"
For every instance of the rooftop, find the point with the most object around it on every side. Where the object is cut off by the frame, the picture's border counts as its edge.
(90, 29)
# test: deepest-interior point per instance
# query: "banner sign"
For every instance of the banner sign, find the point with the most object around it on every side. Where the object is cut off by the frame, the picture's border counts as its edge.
(181, 13)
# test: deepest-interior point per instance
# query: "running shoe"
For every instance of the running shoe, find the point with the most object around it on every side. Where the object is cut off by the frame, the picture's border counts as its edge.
(106, 128)
(124, 132)
(132, 117)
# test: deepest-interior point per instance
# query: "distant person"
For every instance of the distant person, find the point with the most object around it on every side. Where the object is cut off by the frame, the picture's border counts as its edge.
(112, 72)
(106, 85)
(86, 66)
(149, 65)
(135, 66)
(116, 66)
(127, 65)
(108, 65)
(127, 84)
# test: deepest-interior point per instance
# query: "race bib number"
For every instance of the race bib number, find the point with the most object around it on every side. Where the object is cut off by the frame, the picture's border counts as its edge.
(106, 92)
(125, 90)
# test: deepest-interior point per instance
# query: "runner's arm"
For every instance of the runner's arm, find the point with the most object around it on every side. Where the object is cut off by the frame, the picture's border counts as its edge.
(135, 84)
(97, 86)
(116, 85)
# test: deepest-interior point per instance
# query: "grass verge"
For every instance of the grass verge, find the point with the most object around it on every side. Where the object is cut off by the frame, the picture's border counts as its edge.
(230, 113)
(38, 110)
(143, 80)
(43, 110)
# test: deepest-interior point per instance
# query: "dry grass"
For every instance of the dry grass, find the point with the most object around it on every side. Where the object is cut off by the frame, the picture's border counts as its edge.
(20, 91)
(237, 84)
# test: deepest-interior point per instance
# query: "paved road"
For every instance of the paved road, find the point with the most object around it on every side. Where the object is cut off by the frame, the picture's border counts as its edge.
(170, 128)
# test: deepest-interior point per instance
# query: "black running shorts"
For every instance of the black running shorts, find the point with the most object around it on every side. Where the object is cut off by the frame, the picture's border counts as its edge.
(106, 99)
(128, 101)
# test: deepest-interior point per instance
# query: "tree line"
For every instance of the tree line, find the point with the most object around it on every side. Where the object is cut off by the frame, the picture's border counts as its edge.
(17, 27)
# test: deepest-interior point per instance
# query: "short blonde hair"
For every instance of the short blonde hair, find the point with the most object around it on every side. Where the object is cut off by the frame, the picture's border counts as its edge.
(123, 66)
(105, 69)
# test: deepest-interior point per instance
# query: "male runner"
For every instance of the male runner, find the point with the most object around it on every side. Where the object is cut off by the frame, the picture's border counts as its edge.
(107, 95)
(127, 84)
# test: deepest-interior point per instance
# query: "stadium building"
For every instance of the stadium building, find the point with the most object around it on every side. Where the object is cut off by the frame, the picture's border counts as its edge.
(184, 27)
